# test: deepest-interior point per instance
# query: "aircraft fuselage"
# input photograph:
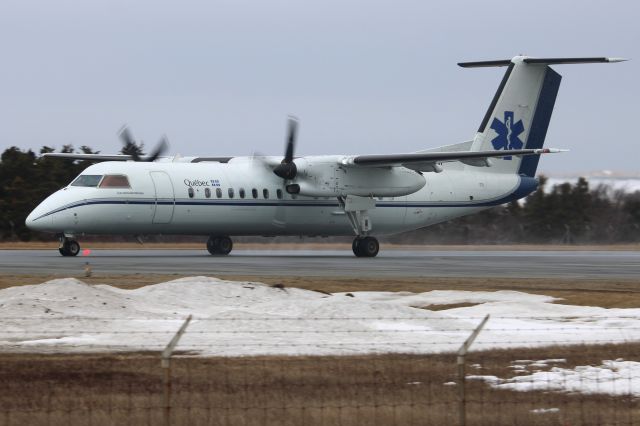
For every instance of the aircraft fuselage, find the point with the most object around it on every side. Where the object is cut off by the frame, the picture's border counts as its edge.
(237, 198)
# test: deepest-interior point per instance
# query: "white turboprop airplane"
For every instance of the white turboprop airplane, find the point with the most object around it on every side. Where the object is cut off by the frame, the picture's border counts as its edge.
(317, 195)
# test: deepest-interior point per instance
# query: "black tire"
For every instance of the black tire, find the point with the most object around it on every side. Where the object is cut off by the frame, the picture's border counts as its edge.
(219, 245)
(368, 247)
(225, 246)
(73, 248)
(69, 248)
(212, 245)
(355, 246)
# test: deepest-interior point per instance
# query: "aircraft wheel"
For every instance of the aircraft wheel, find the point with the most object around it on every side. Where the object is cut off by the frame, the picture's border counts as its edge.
(217, 245)
(369, 247)
(69, 248)
(355, 246)
(365, 247)
(212, 244)
(226, 245)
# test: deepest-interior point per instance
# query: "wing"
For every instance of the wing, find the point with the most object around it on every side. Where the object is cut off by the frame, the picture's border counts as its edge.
(90, 157)
(428, 161)
(124, 157)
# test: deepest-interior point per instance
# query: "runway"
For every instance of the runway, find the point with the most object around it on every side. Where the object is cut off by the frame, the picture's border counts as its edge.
(333, 263)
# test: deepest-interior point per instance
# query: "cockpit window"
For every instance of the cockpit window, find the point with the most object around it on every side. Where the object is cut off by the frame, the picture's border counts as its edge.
(115, 181)
(87, 180)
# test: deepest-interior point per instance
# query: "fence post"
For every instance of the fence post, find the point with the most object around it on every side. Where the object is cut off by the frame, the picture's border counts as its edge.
(462, 353)
(165, 363)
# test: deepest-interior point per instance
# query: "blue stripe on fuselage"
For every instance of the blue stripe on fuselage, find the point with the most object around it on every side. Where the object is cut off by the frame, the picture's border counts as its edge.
(526, 185)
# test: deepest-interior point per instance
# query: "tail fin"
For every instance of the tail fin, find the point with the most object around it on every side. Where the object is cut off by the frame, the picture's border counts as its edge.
(519, 115)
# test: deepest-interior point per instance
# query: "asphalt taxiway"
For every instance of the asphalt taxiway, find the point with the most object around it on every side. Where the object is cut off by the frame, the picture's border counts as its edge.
(333, 263)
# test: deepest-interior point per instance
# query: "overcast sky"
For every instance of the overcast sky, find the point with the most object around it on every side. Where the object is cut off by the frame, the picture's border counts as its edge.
(220, 77)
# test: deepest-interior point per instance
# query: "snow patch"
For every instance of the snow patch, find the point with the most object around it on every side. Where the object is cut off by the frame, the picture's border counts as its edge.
(450, 297)
(612, 378)
(545, 410)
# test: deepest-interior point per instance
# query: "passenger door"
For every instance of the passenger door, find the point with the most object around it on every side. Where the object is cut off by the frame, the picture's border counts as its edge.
(165, 198)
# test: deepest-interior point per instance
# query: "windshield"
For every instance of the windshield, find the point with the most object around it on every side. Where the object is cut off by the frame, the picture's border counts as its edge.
(87, 180)
(115, 181)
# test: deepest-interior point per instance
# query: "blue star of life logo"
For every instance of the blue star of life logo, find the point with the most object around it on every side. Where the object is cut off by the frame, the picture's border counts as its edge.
(508, 133)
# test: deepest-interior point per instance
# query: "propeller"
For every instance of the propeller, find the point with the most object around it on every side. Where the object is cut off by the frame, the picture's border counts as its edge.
(287, 168)
(134, 150)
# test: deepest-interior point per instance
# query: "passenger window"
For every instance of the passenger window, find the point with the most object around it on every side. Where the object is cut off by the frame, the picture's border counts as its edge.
(218, 192)
(279, 194)
(115, 181)
(241, 192)
(87, 180)
(254, 193)
(230, 192)
(191, 192)
(207, 192)
(265, 193)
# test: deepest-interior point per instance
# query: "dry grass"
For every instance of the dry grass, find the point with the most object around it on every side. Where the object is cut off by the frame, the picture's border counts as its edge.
(356, 390)
(447, 306)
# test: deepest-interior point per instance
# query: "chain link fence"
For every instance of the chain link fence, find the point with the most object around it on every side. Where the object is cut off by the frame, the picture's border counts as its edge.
(268, 371)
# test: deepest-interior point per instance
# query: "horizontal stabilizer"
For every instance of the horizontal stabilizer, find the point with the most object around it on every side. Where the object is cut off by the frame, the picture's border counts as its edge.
(479, 64)
(546, 61)
(552, 61)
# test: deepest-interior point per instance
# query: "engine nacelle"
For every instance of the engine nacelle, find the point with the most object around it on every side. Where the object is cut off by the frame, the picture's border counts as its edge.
(330, 178)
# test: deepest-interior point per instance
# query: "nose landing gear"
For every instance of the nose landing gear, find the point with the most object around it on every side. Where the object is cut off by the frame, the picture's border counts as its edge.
(219, 245)
(68, 247)
(365, 246)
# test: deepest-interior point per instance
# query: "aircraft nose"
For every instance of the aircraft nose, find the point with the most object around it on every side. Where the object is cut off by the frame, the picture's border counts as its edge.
(37, 220)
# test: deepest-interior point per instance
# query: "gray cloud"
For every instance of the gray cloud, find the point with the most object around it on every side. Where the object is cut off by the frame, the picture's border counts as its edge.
(220, 77)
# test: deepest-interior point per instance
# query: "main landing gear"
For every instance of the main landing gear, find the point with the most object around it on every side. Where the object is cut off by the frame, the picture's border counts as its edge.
(365, 246)
(219, 245)
(68, 247)
(357, 211)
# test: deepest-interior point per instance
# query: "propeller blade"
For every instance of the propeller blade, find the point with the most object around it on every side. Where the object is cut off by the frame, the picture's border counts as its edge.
(162, 146)
(130, 146)
(125, 135)
(291, 139)
(287, 169)
(259, 160)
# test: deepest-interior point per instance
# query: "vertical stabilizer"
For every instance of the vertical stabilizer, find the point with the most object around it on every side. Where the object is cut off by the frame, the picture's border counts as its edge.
(519, 114)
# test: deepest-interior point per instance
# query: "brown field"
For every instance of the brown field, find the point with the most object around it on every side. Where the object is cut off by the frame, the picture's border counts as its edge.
(348, 390)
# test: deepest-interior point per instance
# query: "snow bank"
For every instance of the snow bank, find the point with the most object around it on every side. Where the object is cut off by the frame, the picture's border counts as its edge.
(248, 318)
